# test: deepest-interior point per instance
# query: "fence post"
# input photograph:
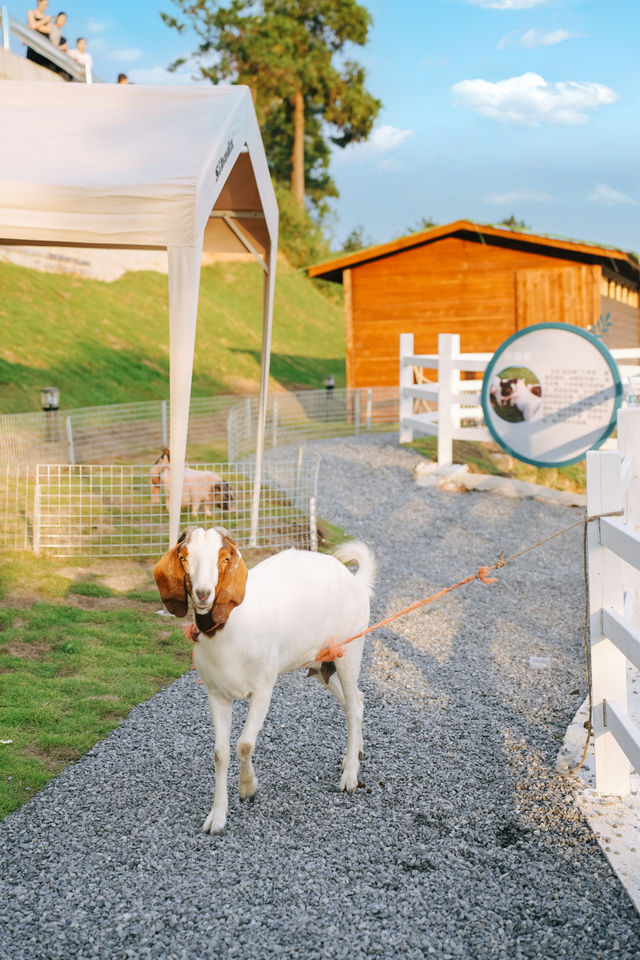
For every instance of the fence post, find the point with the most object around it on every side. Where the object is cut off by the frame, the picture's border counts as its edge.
(313, 525)
(165, 433)
(369, 407)
(247, 424)
(299, 473)
(406, 380)
(448, 384)
(629, 446)
(608, 664)
(356, 412)
(69, 429)
(274, 422)
(6, 29)
(37, 507)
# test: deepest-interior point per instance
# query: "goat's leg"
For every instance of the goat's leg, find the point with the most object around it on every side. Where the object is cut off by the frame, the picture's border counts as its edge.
(221, 714)
(348, 668)
(258, 706)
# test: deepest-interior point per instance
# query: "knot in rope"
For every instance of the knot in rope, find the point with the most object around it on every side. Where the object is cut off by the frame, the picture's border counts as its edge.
(483, 574)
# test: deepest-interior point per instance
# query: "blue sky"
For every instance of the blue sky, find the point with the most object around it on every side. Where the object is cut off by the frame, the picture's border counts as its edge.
(490, 107)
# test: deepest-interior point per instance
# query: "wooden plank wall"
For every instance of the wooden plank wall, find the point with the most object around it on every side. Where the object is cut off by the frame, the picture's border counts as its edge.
(567, 294)
(449, 286)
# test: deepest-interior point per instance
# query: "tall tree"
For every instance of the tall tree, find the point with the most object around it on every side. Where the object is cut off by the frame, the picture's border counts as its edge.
(289, 52)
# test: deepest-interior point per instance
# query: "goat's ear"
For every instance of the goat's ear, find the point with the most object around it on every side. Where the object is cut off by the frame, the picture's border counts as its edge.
(232, 583)
(171, 581)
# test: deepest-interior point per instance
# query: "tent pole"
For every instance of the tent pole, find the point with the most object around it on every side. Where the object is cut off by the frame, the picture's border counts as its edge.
(184, 283)
(267, 321)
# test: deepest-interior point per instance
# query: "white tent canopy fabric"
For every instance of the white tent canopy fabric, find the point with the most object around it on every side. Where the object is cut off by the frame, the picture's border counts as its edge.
(145, 167)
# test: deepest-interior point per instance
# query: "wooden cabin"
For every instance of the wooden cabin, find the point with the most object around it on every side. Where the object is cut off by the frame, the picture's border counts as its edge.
(482, 282)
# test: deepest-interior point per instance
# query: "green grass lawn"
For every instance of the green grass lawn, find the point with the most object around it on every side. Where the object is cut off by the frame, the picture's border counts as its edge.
(79, 647)
(75, 656)
(104, 343)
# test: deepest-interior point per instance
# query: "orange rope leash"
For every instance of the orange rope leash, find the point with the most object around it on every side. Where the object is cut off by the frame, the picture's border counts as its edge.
(335, 650)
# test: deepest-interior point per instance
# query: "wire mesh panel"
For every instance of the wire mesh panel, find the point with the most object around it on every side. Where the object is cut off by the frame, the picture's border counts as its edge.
(117, 510)
(17, 488)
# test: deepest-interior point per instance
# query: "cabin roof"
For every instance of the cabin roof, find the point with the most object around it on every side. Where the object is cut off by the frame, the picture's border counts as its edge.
(619, 261)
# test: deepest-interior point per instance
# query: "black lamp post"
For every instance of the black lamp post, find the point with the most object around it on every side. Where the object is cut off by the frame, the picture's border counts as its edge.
(50, 403)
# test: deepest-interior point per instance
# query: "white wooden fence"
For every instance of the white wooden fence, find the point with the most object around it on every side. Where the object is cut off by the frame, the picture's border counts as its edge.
(613, 484)
(456, 400)
(456, 413)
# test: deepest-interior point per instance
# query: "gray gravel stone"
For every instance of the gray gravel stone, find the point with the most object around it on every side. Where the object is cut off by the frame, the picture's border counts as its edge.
(463, 843)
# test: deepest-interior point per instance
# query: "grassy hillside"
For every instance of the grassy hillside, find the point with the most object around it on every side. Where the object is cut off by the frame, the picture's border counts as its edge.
(106, 343)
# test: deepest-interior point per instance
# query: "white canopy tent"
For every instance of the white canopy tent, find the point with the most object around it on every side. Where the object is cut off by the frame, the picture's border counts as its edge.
(125, 166)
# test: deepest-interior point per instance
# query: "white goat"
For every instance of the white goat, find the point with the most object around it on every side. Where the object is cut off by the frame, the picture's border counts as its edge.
(252, 627)
(198, 487)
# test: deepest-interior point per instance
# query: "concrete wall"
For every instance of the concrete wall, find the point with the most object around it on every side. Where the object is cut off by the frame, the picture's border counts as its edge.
(14, 67)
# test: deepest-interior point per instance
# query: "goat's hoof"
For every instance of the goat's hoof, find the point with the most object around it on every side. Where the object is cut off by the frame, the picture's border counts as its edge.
(349, 783)
(247, 791)
(215, 822)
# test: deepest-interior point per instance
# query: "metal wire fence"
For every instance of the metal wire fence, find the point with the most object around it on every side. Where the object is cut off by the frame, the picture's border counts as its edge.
(68, 489)
(114, 510)
(102, 434)
(309, 415)
(125, 431)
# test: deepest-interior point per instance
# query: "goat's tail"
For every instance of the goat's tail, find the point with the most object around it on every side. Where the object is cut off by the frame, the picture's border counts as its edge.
(360, 552)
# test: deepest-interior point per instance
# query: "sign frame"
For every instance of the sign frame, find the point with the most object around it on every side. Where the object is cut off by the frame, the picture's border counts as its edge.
(495, 360)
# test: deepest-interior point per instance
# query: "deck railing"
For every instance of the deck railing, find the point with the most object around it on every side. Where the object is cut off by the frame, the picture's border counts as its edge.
(39, 43)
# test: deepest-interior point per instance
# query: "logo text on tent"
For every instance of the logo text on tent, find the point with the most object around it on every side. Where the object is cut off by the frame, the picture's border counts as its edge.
(223, 159)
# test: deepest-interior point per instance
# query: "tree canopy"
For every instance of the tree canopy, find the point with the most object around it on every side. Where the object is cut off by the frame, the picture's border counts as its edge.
(292, 54)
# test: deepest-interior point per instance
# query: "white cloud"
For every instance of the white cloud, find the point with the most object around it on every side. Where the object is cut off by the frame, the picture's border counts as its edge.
(521, 195)
(159, 75)
(128, 55)
(382, 149)
(602, 193)
(386, 138)
(507, 4)
(96, 27)
(534, 38)
(529, 100)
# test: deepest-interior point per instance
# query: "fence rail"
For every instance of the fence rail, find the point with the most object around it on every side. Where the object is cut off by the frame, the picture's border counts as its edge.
(450, 407)
(113, 510)
(452, 400)
(613, 484)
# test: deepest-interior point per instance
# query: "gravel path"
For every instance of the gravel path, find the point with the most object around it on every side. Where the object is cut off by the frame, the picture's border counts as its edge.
(464, 843)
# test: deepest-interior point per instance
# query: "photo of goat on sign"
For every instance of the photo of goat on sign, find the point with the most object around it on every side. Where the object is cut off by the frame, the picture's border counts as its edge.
(516, 394)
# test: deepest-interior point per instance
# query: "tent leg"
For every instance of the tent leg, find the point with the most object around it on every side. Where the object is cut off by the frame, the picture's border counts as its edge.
(267, 320)
(184, 282)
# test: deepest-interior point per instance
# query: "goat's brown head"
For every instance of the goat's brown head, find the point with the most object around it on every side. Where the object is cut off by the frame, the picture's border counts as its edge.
(206, 565)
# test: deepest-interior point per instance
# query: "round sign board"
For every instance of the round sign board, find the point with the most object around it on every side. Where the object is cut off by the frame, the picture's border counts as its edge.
(550, 393)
